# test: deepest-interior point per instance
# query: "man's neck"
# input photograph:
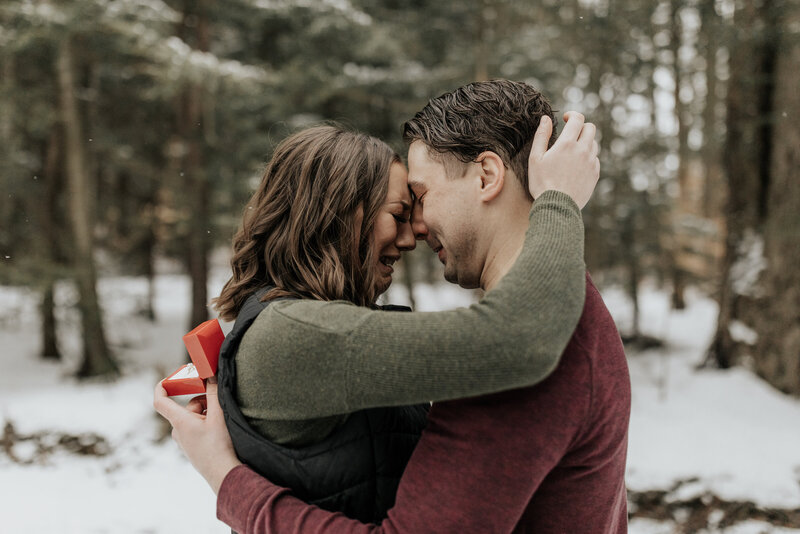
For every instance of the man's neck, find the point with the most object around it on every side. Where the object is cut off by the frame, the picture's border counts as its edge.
(505, 248)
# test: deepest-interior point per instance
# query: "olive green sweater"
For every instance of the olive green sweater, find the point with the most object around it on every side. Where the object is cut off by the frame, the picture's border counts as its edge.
(304, 364)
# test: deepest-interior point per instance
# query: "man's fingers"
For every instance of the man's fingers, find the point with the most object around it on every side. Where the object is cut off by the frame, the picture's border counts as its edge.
(595, 149)
(572, 129)
(541, 138)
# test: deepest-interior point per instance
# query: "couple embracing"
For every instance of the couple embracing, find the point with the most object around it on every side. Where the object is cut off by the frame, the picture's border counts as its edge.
(321, 418)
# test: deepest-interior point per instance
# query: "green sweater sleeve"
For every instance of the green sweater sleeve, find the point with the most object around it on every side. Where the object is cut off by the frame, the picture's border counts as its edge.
(304, 359)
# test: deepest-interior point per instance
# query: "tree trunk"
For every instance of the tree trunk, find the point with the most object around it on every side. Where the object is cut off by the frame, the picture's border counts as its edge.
(199, 237)
(8, 135)
(49, 245)
(97, 359)
(7, 115)
(744, 153)
(678, 272)
(49, 341)
(198, 241)
(711, 146)
(777, 354)
(191, 131)
(482, 34)
(148, 249)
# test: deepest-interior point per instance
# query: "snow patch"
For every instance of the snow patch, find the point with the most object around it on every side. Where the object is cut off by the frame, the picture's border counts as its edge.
(742, 333)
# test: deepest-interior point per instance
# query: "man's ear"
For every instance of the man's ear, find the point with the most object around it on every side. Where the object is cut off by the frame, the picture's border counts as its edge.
(492, 175)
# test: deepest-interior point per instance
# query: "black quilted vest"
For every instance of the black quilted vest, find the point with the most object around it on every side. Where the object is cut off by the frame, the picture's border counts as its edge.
(355, 470)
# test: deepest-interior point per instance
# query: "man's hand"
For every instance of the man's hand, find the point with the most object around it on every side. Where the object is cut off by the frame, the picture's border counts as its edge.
(571, 165)
(199, 429)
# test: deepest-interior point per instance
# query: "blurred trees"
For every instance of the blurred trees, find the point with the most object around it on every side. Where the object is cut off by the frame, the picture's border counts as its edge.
(176, 104)
(760, 295)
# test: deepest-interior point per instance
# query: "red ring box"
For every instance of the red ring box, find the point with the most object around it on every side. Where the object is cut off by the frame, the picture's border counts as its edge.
(203, 344)
(184, 381)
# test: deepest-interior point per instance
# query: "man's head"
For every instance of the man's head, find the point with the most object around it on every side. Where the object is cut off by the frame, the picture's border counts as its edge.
(464, 147)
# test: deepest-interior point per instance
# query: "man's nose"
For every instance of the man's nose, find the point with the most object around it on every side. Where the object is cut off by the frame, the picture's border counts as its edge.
(418, 225)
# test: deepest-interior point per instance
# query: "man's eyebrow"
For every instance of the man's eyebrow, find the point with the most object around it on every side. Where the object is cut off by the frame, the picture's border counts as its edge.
(415, 183)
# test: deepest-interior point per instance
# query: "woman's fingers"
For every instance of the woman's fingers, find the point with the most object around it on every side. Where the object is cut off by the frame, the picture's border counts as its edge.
(168, 408)
(570, 165)
(572, 127)
(212, 399)
(587, 134)
(540, 139)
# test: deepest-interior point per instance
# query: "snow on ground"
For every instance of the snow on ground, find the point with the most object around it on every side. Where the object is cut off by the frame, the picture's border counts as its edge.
(729, 430)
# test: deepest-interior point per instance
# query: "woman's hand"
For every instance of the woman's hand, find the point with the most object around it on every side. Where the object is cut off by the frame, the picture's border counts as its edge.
(199, 429)
(571, 165)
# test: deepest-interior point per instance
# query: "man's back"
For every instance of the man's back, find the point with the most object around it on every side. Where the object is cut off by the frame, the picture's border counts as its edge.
(585, 491)
(547, 458)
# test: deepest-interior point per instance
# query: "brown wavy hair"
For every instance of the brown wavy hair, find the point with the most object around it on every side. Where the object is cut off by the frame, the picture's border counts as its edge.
(300, 231)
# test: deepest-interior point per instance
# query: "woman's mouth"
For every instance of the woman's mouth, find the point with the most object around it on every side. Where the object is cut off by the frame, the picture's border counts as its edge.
(386, 263)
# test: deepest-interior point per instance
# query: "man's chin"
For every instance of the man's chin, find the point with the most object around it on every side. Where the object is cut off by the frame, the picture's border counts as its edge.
(452, 276)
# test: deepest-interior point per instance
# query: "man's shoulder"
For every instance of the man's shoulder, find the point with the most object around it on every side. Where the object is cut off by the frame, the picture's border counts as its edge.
(596, 335)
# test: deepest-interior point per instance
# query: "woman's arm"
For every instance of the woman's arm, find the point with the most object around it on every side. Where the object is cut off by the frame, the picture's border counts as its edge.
(305, 359)
(353, 358)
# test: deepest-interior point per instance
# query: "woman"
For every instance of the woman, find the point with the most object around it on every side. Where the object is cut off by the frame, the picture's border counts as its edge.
(305, 364)
(328, 221)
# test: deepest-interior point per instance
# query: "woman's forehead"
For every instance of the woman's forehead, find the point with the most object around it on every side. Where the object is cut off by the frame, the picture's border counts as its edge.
(398, 184)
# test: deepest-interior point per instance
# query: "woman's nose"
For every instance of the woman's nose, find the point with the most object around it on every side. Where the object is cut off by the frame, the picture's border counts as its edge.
(405, 237)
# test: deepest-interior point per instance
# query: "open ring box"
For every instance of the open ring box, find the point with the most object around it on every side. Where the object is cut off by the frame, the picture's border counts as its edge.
(203, 344)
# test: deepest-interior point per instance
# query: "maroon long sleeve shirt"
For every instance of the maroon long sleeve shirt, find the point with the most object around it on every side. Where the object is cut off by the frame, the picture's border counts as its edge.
(545, 459)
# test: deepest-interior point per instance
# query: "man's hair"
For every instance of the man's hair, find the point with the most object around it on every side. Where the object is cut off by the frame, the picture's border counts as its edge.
(299, 232)
(499, 115)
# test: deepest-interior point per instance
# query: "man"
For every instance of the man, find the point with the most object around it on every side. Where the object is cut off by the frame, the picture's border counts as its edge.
(546, 458)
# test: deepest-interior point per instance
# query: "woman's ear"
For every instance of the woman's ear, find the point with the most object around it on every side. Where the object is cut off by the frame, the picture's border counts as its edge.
(492, 175)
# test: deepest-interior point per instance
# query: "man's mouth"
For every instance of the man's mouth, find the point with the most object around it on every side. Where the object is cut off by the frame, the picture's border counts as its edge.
(440, 252)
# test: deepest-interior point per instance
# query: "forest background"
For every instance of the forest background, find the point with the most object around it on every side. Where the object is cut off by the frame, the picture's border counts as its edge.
(133, 131)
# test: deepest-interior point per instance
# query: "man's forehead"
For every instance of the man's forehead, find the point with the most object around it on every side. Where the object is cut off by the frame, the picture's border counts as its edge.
(425, 164)
(421, 166)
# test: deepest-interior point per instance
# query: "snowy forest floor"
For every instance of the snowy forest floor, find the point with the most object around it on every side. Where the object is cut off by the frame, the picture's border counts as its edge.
(709, 451)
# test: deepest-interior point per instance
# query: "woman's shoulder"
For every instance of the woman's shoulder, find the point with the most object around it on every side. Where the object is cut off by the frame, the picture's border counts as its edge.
(319, 313)
(293, 318)
(306, 322)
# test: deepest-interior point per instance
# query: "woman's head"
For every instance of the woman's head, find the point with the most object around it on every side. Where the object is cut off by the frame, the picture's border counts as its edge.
(309, 228)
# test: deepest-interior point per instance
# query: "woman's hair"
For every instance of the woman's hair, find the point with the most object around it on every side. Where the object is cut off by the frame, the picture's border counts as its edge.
(306, 230)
